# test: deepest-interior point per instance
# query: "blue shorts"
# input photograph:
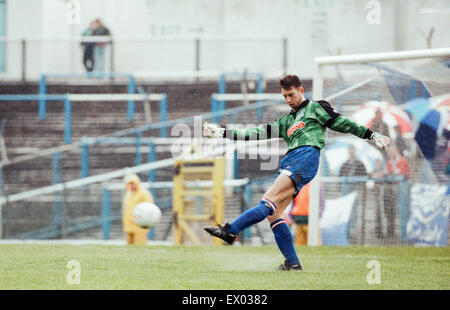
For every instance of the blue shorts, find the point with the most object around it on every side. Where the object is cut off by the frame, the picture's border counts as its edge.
(300, 165)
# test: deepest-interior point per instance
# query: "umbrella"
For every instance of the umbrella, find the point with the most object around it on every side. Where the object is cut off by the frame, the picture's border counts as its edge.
(336, 153)
(432, 117)
(392, 116)
(419, 107)
(440, 102)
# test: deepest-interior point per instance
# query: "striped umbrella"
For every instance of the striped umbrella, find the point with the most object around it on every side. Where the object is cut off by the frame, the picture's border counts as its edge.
(392, 116)
(433, 119)
(441, 102)
(419, 107)
(431, 127)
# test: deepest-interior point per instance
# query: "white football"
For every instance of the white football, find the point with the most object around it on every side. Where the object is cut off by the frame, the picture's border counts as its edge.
(146, 214)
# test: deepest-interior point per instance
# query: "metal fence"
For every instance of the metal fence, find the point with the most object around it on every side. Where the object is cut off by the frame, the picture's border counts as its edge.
(26, 58)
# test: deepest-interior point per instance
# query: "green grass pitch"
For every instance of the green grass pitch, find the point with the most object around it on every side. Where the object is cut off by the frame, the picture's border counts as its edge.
(111, 267)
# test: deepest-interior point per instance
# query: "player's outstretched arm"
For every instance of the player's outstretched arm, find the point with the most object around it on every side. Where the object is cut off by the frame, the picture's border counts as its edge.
(346, 125)
(213, 131)
(335, 121)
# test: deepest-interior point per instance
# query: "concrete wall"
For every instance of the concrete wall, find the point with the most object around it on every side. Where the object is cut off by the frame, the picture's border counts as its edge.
(312, 27)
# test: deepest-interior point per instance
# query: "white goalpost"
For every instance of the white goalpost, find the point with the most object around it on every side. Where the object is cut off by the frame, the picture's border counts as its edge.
(348, 82)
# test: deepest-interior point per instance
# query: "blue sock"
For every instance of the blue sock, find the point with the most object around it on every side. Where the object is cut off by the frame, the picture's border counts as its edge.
(284, 240)
(252, 216)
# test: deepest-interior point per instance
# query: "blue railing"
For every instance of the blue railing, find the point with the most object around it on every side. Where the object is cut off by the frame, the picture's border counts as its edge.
(162, 202)
(61, 227)
(137, 131)
(73, 226)
(139, 141)
(64, 98)
(68, 109)
(86, 144)
(43, 87)
(53, 231)
(107, 219)
(220, 105)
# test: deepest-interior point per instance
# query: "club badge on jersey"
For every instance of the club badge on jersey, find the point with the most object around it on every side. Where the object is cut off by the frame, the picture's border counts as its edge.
(302, 113)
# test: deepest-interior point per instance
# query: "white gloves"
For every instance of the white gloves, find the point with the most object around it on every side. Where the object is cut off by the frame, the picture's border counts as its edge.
(381, 141)
(212, 131)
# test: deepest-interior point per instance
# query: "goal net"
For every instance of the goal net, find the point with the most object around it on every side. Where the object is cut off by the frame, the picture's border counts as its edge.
(400, 197)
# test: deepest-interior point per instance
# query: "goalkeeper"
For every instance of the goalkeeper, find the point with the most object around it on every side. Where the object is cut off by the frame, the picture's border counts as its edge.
(304, 130)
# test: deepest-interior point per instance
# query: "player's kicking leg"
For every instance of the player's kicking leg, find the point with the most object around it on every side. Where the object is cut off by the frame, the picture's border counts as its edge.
(274, 202)
(283, 192)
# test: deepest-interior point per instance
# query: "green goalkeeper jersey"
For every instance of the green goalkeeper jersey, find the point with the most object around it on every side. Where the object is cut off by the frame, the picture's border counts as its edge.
(306, 126)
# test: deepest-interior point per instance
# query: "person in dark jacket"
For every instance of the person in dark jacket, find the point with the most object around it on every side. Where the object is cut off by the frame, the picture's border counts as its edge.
(88, 48)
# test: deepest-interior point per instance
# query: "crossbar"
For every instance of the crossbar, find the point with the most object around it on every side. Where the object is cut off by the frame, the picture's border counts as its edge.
(385, 56)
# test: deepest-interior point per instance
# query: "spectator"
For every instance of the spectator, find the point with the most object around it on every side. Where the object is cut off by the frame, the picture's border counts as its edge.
(440, 162)
(99, 49)
(352, 167)
(447, 159)
(378, 125)
(397, 164)
(399, 141)
(300, 213)
(379, 194)
(378, 173)
(88, 48)
(135, 194)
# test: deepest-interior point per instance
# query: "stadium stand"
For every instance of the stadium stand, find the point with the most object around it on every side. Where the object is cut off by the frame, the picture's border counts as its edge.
(24, 133)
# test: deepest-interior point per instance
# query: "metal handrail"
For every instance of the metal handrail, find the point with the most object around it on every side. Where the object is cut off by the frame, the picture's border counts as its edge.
(68, 98)
(113, 40)
(136, 130)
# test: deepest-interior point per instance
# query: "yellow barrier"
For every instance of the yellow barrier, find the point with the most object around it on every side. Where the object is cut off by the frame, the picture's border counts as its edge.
(194, 206)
